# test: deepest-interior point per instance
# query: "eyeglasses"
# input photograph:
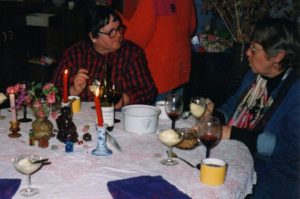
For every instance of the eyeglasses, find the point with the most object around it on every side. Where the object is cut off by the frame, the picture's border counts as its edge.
(112, 33)
(253, 49)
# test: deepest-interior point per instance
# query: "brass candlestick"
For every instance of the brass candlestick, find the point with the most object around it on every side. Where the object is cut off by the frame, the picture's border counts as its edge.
(14, 128)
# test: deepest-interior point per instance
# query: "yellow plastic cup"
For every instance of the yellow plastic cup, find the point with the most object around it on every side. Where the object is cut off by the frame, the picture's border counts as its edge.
(213, 171)
(76, 105)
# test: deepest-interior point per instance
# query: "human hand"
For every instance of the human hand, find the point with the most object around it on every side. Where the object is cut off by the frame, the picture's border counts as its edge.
(123, 101)
(226, 132)
(209, 107)
(79, 82)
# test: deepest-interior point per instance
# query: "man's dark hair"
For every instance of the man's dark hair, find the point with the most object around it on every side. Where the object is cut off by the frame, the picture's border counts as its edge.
(98, 17)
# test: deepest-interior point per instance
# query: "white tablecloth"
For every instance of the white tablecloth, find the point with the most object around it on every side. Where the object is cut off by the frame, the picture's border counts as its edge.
(84, 176)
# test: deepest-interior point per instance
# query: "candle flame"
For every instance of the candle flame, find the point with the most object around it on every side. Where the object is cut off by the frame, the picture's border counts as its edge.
(66, 71)
(97, 92)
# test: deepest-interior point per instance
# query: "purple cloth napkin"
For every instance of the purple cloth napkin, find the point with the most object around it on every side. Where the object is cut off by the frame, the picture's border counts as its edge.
(144, 187)
(8, 187)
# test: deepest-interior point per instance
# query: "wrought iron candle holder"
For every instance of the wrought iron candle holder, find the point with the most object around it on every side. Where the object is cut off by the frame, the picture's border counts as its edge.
(102, 149)
(14, 128)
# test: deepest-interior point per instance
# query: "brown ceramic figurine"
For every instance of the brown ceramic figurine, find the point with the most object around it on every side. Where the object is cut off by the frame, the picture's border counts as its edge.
(66, 127)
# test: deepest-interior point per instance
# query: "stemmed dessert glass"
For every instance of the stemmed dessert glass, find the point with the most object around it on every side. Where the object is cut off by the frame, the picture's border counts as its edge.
(197, 107)
(26, 165)
(174, 107)
(170, 138)
(209, 131)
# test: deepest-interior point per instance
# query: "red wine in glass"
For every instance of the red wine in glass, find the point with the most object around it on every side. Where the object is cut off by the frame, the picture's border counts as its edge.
(174, 116)
(174, 107)
(208, 140)
(209, 130)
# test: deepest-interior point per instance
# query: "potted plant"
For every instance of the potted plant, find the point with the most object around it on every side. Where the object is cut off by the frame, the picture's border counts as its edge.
(40, 98)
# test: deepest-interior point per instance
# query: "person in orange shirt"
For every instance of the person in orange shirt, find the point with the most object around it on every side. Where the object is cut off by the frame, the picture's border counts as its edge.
(163, 28)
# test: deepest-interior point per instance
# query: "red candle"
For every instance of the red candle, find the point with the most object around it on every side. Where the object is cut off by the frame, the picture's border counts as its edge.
(65, 84)
(98, 108)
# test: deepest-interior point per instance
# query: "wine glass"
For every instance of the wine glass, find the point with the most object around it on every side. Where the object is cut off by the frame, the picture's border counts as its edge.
(25, 165)
(170, 138)
(209, 130)
(174, 107)
(197, 107)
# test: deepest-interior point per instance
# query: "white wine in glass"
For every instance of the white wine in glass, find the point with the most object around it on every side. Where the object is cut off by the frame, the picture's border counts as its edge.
(197, 107)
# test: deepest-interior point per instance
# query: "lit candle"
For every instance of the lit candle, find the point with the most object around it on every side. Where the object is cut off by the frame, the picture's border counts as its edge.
(65, 84)
(98, 108)
(13, 107)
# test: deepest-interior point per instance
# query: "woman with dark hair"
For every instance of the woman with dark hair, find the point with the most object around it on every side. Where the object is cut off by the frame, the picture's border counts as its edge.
(264, 113)
(126, 63)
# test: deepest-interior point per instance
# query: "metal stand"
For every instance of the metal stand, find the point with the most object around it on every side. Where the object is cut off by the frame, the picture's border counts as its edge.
(102, 149)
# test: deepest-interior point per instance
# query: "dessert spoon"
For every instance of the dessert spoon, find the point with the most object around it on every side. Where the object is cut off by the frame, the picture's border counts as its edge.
(174, 155)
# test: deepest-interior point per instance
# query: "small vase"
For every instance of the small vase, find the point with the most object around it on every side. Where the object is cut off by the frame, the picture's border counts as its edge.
(42, 128)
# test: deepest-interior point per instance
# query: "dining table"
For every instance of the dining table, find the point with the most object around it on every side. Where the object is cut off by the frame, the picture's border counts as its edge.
(82, 175)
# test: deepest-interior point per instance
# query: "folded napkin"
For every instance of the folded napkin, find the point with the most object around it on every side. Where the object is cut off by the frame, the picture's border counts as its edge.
(8, 187)
(144, 187)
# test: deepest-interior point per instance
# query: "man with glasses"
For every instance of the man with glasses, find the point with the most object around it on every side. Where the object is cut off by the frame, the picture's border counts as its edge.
(125, 61)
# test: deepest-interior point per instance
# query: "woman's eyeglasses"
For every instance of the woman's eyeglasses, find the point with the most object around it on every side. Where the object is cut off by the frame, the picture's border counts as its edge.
(253, 49)
(112, 33)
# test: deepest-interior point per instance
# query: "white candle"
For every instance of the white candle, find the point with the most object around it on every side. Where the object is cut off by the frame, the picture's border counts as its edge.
(13, 107)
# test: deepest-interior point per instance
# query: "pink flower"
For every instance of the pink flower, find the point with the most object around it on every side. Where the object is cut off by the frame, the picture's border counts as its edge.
(37, 104)
(41, 114)
(28, 99)
(35, 97)
(10, 90)
(18, 87)
(51, 98)
(48, 86)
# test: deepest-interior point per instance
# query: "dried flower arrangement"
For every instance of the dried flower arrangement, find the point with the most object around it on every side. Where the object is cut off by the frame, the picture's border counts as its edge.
(237, 15)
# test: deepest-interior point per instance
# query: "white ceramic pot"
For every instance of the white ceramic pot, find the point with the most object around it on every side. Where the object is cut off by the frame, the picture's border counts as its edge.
(140, 118)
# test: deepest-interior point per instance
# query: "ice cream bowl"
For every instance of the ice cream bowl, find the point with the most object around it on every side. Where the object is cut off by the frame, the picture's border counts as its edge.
(140, 119)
